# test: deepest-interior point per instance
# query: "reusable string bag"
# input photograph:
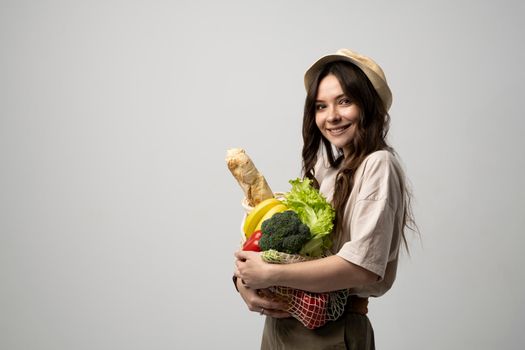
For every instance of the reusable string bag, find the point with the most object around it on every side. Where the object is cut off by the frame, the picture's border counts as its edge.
(313, 310)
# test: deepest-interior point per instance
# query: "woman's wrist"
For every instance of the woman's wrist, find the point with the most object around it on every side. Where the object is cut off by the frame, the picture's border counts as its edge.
(275, 274)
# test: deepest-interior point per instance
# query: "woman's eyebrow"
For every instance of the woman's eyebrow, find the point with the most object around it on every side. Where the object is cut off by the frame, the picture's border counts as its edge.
(335, 98)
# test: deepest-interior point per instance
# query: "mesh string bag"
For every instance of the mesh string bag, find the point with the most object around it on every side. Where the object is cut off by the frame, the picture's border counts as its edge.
(313, 310)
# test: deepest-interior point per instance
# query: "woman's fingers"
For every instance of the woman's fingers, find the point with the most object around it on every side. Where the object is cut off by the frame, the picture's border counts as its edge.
(244, 255)
(251, 269)
(258, 303)
(263, 301)
(240, 255)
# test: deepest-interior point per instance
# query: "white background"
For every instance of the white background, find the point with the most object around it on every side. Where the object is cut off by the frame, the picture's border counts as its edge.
(119, 218)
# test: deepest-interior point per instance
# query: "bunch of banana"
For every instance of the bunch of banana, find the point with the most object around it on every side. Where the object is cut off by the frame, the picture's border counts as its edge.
(261, 212)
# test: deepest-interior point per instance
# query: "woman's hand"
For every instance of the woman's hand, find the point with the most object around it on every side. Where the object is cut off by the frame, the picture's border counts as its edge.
(252, 270)
(263, 301)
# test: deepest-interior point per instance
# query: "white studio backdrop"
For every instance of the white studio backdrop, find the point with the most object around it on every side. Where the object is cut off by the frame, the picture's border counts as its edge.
(119, 218)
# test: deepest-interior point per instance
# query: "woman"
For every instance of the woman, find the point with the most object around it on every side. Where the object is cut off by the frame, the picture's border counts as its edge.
(346, 154)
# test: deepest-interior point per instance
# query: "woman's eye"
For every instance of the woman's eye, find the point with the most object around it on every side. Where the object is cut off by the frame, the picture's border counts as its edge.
(319, 107)
(345, 101)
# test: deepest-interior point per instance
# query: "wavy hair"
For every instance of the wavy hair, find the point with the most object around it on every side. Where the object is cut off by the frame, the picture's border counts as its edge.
(371, 130)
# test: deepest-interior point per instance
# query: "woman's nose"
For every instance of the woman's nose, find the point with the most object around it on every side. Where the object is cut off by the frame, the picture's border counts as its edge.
(333, 115)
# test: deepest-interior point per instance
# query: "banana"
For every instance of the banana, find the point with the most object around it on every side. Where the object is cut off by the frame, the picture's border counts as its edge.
(279, 208)
(257, 213)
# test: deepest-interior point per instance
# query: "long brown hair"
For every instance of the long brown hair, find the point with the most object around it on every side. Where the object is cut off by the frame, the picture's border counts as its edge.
(370, 134)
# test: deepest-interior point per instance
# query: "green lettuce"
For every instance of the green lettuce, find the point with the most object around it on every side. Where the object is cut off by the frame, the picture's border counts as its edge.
(314, 211)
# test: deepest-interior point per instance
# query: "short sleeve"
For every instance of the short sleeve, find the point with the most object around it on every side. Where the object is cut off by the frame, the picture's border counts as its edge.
(372, 226)
(372, 221)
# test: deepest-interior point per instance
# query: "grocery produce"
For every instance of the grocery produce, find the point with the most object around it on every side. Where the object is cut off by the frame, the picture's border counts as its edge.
(257, 213)
(252, 243)
(312, 307)
(279, 208)
(288, 230)
(314, 211)
(284, 232)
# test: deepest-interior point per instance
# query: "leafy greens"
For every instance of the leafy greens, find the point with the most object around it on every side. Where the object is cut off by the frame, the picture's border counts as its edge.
(313, 210)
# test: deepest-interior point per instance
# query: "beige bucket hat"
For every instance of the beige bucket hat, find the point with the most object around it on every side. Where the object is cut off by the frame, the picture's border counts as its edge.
(371, 69)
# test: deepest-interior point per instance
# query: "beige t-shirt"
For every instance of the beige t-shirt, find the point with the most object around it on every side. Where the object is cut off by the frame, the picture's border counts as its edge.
(373, 218)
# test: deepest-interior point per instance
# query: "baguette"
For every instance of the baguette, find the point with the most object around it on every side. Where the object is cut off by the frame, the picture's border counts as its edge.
(252, 182)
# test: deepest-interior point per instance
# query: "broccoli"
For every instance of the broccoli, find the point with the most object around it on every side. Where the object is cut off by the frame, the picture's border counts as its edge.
(284, 232)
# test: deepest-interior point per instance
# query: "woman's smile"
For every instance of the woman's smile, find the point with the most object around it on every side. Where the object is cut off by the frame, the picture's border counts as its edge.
(336, 131)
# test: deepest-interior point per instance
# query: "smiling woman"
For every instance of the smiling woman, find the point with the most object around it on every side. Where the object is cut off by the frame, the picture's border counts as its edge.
(346, 156)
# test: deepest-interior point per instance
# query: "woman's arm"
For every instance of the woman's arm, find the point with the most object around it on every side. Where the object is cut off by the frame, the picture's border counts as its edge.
(321, 275)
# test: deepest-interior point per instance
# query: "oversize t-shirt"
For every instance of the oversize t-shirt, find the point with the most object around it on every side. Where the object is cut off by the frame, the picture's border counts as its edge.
(373, 217)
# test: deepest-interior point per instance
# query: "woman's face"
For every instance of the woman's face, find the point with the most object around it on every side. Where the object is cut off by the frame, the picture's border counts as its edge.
(336, 114)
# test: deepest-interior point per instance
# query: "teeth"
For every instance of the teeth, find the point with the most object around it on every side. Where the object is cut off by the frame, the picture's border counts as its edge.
(335, 130)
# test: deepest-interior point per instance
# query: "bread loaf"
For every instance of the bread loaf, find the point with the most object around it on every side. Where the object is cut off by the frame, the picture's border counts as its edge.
(252, 182)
